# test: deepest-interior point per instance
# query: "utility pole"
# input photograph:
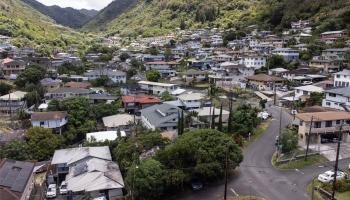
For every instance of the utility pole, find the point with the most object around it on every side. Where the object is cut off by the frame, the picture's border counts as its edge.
(226, 174)
(308, 138)
(336, 161)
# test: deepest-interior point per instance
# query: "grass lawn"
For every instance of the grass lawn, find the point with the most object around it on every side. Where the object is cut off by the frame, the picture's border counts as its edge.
(317, 195)
(299, 164)
(258, 131)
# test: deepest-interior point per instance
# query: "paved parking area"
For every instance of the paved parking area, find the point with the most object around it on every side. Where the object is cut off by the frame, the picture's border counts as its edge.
(329, 150)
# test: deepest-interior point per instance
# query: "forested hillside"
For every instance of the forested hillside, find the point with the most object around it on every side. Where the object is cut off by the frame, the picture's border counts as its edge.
(156, 17)
(65, 16)
(29, 27)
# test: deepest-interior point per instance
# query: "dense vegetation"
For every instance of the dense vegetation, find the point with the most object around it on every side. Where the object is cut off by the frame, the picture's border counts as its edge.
(156, 17)
(65, 16)
(28, 27)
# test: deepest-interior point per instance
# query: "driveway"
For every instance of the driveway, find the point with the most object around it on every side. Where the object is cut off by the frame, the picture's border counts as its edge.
(329, 150)
(256, 175)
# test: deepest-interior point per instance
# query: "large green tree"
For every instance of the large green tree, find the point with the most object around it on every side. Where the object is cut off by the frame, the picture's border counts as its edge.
(289, 140)
(275, 61)
(5, 88)
(80, 117)
(153, 75)
(32, 74)
(146, 180)
(202, 153)
(16, 150)
(244, 120)
(42, 143)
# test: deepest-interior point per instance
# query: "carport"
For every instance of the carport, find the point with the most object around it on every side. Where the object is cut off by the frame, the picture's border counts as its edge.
(330, 137)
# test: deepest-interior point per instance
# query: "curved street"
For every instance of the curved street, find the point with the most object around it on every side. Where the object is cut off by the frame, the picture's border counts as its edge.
(256, 175)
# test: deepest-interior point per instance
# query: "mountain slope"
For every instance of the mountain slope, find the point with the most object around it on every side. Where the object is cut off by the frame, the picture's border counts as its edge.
(29, 27)
(109, 13)
(65, 16)
(157, 17)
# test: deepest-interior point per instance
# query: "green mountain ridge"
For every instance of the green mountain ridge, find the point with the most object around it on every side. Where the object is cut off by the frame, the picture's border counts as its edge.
(28, 27)
(158, 17)
(65, 16)
(109, 13)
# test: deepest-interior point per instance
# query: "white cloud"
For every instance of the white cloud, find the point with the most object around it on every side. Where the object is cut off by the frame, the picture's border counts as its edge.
(78, 4)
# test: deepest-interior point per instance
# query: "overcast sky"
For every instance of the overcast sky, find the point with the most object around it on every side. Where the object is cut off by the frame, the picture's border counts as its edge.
(78, 4)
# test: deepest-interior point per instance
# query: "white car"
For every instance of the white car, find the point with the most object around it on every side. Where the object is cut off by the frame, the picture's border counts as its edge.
(328, 176)
(263, 115)
(51, 191)
(63, 188)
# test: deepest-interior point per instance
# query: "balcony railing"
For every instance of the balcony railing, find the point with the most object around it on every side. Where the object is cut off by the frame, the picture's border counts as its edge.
(328, 129)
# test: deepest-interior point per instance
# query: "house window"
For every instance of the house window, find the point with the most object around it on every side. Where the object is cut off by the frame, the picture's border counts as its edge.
(337, 122)
(42, 123)
(317, 125)
(328, 123)
(332, 95)
(328, 103)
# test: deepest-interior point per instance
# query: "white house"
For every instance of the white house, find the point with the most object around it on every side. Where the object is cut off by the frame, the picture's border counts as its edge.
(165, 68)
(342, 79)
(115, 75)
(287, 53)
(51, 120)
(157, 88)
(307, 90)
(191, 100)
(255, 62)
(104, 135)
(337, 98)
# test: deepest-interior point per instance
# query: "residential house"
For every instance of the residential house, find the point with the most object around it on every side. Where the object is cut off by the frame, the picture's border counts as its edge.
(162, 116)
(277, 71)
(304, 92)
(191, 100)
(255, 62)
(342, 78)
(50, 84)
(195, 75)
(152, 58)
(205, 114)
(88, 171)
(325, 127)
(12, 103)
(95, 98)
(133, 104)
(11, 68)
(164, 68)
(331, 36)
(65, 92)
(82, 85)
(325, 65)
(157, 88)
(120, 122)
(51, 120)
(264, 82)
(115, 75)
(16, 179)
(287, 53)
(335, 54)
(230, 74)
(103, 136)
(337, 98)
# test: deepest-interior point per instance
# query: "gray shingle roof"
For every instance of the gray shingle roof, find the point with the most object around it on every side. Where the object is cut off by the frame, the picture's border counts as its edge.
(161, 115)
(345, 91)
(15, 174)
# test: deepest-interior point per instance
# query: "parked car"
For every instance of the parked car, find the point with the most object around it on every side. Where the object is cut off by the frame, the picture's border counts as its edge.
(328, 176)
(283, 89)
(63, 188)
(264, 115)
(51, 191)
(196, 184)
(293, 112)
(100, 198)
(306, 83)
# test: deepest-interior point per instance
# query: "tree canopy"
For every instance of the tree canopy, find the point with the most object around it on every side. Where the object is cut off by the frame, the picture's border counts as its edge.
(153, 75)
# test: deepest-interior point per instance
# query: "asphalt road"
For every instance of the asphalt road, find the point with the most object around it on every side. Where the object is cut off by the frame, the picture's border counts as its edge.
(256, 175)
